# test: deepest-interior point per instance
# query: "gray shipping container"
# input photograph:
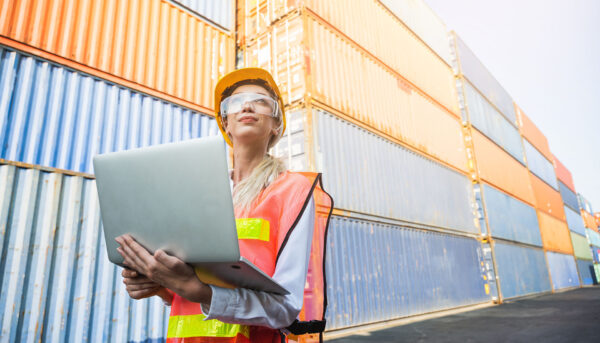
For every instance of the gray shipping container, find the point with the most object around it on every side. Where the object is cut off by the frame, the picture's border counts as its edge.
(220, 12)
(539, 165)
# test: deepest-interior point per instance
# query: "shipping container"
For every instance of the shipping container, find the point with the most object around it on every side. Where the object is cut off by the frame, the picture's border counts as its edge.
(421, 20)
(368, 174)
(219, 13)
(56, 117)
(155, 45)
(555, 234)
(593, 237)
(509, 218)
(574, 221)
(569, 197)
(597, 272)
(522, 270)
(563, 270)
(595, 253)
(547, 199)
(57, 283)
(491, 123)
(539, 165)
(361, 25)
(378, 272)
(405, 115)
(587, 272)
(500, 169)
(584, 204)
(473, 70)
(563, 175)
(533, 134)
(589, 220)
(581, 246)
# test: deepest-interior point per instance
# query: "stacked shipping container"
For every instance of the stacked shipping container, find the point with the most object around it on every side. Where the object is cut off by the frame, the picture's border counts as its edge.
(362, 109)
(105, 76)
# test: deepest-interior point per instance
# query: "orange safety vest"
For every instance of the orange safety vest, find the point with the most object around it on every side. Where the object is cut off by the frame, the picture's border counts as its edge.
(263, 231)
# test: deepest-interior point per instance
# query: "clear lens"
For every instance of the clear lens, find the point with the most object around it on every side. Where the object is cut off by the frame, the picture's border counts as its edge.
(259, 103)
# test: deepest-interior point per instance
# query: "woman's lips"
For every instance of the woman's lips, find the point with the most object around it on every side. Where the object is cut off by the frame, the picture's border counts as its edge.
(247, 119)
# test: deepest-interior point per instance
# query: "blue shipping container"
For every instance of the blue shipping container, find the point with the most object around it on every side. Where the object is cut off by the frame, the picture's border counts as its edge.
(569, 197)
(510, 218)
(586, 271)
(563, 270)
(539, 165)
(378, 272)
(493, 124)
(522, 270)
(593, 237)
(574, 221)
(57, 117)
(219, 12)
(368, 174)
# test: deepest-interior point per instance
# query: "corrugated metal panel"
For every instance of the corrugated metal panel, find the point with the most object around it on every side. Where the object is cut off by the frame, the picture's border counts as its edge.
(500, 169)
(292, 146)
(377, 272)
(563, 174)
(57, 283)
(491, 123)
(563, 270)
(568, 197)
(219, 12)
(55, 117)
(586, 271)
(368, 174)
(595, 253)
(425, 23)
(547, 199)
(584, 204)
(555, 234)
(589, 220)
(574, 221)
(581, 246)
(539, 165)
(406, 115)
(521, 270)
(510, 218)
(374, 31)
(533, 134)
(484, 81)
(593, 236)
(597, 272)
(152, 43)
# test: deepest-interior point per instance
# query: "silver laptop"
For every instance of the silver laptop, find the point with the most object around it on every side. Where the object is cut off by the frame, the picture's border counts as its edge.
(177, 197)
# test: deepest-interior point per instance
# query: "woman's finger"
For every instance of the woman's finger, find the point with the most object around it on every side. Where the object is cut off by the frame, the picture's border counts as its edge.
(137, 280)
(129, 273)
(167, 260)
(143, 294)
(141, 287)
(131, 257)
(139, 251)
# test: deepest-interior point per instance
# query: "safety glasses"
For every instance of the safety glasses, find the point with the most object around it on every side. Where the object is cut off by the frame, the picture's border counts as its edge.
(259, 103)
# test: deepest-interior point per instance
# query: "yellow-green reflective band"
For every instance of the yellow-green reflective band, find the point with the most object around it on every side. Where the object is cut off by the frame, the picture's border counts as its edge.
(253, 228)
(195, 326)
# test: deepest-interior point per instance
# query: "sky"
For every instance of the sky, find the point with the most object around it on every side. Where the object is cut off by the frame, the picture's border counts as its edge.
(546, 54)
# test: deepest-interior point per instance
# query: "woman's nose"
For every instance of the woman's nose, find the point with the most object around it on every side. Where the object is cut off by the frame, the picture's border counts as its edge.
(247, 107)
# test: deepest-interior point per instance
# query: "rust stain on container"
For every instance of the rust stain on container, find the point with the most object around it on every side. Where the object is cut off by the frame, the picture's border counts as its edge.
(500, 169)
(555, 234)
(148, 43)
(547, 199)
(533, 134)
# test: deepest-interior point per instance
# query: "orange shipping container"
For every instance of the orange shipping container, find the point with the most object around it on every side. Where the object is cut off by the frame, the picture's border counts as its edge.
(500, 169)
(588, 220)
(152, 43)
(547, 199)
(374, 31)
(563, 174)
(533, 134)
(344, 79)
(555, 234)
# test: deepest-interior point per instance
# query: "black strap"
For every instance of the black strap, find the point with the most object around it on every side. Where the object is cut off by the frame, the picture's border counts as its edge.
(302, 328)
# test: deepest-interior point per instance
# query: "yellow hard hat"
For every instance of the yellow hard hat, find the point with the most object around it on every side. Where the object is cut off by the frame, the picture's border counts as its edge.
(241, 75)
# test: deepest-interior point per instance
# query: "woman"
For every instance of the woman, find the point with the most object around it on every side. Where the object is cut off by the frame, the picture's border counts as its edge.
(280, 217)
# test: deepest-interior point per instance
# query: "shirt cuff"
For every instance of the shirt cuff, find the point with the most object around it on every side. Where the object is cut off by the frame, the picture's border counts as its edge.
(221, 300)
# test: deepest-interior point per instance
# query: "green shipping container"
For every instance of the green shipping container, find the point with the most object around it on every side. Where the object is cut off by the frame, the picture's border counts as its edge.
(581, 247)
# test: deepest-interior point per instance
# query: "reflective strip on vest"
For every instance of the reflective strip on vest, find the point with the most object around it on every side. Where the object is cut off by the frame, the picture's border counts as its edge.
(196, 326)
(253, 228)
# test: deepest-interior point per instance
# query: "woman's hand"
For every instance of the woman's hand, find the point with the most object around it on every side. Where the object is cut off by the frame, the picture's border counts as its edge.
(164, 270)
(138, 286)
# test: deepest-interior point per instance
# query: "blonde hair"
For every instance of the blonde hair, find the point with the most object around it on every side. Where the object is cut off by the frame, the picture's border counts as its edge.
(247, 191)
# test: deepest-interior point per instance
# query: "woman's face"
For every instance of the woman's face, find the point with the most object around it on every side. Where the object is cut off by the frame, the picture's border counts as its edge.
(247, 126)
